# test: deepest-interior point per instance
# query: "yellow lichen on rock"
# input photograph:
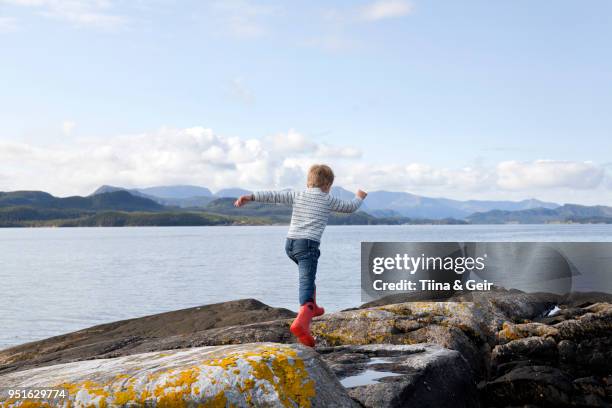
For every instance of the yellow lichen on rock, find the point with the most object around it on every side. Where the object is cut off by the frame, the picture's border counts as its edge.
(272, 368)
(177, 386)
(511, 331)
(290, 380)
(250, 376)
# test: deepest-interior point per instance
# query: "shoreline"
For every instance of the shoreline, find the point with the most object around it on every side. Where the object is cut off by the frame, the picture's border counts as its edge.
(551, 224)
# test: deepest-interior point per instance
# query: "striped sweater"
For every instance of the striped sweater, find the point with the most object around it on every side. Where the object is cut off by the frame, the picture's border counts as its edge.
(311, 208)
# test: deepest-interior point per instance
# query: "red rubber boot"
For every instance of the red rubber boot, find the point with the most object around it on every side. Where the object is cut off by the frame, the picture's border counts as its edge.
(318, 310)
(301, 325)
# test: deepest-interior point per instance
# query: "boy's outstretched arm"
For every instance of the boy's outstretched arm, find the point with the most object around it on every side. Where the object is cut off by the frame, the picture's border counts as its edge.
(344, 206)
(276, 197)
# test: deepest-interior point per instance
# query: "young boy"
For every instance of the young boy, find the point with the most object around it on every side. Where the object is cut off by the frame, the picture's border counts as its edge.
(311, 208)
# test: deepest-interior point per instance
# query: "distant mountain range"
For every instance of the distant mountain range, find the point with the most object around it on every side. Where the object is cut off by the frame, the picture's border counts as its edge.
(118, 200)
(118, 207)
(378, 203)
(115, 206)
(37, 208)
(415, 206)
(183, 196)
(568, 213)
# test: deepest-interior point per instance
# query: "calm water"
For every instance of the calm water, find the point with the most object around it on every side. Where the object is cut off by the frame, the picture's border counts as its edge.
(60, 280)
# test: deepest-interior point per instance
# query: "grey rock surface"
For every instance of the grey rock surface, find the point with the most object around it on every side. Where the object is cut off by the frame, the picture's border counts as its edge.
(260, 374)
(423, 375)
(507, 339)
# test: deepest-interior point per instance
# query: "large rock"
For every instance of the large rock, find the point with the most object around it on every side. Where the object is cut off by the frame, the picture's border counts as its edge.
(145, 334)
(564, 363)
(505, 336)
(590, 392)
(587, 356)
(461, 326)
(512, 304)
(529, 348)
(264, 374)
(534, 385)
(544, 386)
(596, 322)
(423, 375)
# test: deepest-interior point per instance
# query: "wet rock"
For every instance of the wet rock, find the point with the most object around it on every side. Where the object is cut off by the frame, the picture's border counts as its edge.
(423, 375)
(567, 351)
(589, 400)
(589, 391)
(592, 355)
(264, 374)
(543, 349)
(608, 384)
(597, 322)
(539, 385)
(528, 363)
(504, 368)
(590, 386)
(584, 343)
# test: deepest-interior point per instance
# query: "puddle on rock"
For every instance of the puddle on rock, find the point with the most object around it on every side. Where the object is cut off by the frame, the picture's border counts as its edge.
(366, 377)
(379, 360)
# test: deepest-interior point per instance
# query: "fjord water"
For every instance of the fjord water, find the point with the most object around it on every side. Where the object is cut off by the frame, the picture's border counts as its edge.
(57, 280)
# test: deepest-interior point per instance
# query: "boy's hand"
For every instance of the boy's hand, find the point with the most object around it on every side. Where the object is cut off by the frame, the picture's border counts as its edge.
(242, 200)
(361, 194)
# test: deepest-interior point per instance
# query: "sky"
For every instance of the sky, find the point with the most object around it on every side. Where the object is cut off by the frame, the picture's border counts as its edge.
(466, 100)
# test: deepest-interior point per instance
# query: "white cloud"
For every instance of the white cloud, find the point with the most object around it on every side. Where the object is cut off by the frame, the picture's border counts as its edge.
(290, 143)
(547, 174)
(199, 156)
(560, 181)
(417, 177)
(169, 156)
(294, 142)
(324, 150)
(95, 13)
(384, 9)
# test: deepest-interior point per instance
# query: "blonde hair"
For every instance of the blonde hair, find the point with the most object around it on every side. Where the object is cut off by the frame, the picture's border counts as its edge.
(320, 175)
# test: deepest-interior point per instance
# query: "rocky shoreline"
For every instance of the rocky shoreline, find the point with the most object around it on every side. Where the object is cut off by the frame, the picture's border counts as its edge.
(503, 348)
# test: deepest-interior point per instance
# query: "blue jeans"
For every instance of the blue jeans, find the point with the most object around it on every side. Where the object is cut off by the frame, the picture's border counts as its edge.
(305, 253)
